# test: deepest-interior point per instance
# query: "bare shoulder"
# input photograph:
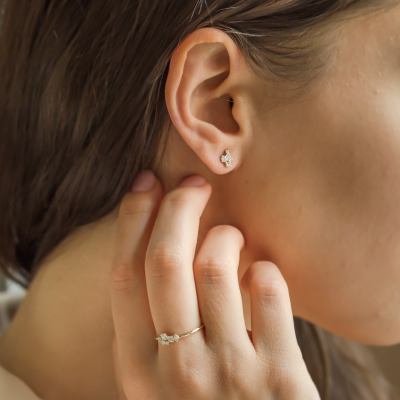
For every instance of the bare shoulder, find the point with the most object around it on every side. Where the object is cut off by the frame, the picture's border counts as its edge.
(12, 388)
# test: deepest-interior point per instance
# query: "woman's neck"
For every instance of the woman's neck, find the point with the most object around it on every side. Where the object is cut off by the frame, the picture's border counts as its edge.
(59, 342)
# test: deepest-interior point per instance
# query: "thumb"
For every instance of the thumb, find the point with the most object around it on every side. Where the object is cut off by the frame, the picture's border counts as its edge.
(272, 322)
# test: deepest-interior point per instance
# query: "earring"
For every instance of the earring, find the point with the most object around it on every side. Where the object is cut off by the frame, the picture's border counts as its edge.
(227, 158)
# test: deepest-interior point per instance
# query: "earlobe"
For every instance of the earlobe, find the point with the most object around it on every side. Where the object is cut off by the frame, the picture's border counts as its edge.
(203, 89)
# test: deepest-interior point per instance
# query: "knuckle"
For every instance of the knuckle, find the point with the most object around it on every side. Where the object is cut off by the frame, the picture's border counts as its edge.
(271, 291)
(165, 259)
(232, 371)
(212, 270)
(185, 377)
(287, 382)
(278, 381)
(124, 276)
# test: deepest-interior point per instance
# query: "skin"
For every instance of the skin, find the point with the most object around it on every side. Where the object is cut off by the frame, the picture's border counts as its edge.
(314, 187)
(156, 260)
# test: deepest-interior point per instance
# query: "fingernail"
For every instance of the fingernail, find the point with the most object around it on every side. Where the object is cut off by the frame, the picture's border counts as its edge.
(144, 181)
(195, 180)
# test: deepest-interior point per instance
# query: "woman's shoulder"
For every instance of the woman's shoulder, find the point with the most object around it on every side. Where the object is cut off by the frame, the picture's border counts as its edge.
(12, 388)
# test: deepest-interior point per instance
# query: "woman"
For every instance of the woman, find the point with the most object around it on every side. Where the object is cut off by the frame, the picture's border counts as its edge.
(271, 130)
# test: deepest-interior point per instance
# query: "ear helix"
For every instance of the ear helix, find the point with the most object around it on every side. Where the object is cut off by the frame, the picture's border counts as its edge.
(227, 158)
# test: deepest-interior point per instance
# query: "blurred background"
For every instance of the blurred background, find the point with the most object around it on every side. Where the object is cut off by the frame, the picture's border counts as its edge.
(388, 357)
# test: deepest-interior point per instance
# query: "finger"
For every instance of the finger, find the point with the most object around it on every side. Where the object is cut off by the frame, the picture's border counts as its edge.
(220, 300)
(120, 390)
(134, 326)
(272, 323)
(169, 260)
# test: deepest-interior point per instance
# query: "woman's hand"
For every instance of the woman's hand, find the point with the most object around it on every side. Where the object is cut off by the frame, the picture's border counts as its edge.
(157, 288)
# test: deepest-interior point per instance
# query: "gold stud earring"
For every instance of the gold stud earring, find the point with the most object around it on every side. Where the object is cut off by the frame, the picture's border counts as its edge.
(227, 158)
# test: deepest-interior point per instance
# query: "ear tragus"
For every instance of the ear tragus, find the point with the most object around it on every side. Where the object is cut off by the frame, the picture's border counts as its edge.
(207, 73)
(218, 112)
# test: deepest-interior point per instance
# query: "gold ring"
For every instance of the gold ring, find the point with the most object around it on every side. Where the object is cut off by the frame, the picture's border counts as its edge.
(165, 340)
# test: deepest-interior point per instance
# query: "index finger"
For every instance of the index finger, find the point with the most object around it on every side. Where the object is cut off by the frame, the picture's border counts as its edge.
(169, 260)
(134, 328)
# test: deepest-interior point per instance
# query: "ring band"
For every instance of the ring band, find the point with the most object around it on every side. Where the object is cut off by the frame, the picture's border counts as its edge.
(165, 340)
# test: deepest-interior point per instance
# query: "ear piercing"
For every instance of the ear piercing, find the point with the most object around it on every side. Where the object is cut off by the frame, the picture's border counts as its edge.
(227, 158)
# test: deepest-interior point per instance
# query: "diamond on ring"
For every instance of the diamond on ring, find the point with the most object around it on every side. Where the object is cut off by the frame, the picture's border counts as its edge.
(165, 340)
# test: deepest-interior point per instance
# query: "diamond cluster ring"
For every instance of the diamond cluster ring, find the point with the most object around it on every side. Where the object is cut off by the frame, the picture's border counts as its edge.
(165, 340)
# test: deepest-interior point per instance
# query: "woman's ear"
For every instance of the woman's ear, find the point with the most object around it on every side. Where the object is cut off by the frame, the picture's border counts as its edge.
(207, 97)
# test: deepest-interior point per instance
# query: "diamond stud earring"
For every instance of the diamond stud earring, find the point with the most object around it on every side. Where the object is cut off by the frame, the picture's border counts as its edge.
(227, 158)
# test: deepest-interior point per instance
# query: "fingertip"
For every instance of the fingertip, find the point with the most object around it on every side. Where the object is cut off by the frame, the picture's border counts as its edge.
(144, 194)
(268, 270)
(194, 181)
(266, 266)
(260, 271)
(144, 181)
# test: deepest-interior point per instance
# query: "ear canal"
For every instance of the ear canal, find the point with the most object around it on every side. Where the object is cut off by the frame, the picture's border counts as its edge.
(209, 101)
(218, 112)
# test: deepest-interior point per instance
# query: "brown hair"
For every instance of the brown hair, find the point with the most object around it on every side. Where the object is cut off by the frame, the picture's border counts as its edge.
(82, 109)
